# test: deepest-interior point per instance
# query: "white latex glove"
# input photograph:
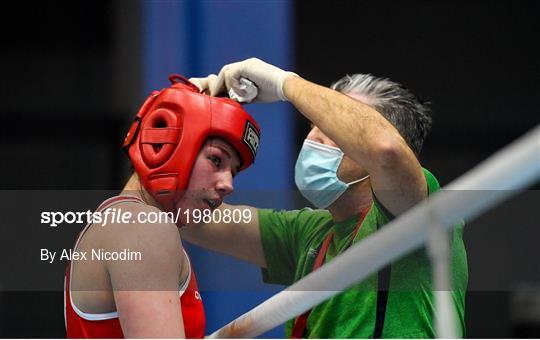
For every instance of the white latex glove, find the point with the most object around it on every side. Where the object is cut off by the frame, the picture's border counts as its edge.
(204, 83)
(247, 88)
(267, 78)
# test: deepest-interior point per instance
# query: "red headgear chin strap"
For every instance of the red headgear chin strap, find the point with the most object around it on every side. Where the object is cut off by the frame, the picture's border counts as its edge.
(170, 128)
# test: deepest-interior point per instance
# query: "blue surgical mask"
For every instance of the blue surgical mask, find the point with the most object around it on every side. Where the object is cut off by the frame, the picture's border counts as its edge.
(315, 173)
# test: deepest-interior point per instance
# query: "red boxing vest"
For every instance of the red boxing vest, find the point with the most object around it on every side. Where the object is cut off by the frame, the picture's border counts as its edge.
(107, 325)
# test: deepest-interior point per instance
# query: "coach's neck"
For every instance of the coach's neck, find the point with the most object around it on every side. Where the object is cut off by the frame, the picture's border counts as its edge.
(355, 199)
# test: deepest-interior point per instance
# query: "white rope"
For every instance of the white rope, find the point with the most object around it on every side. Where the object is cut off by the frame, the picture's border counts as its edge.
(438, 245)
(499, 177)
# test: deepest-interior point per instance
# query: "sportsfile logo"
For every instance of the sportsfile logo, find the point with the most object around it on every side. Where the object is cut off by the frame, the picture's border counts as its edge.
(120, 216)
(251, 137)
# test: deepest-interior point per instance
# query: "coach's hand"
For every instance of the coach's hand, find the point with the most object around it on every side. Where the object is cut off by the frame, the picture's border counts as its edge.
(267, 78)
(204, 83)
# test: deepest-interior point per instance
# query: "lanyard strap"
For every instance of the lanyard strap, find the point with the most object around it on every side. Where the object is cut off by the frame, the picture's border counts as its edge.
(301, 321)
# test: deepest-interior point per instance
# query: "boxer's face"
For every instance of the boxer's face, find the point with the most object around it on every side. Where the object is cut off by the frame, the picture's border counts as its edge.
(211, 177)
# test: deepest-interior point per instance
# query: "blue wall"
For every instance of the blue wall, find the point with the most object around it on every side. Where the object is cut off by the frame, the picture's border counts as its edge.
(195, 38)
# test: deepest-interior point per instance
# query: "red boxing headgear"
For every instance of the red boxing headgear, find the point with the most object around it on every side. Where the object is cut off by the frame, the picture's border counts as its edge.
(170, 129)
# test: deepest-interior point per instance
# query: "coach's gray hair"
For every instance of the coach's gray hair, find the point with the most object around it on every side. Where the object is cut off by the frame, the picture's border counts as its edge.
(410, 115)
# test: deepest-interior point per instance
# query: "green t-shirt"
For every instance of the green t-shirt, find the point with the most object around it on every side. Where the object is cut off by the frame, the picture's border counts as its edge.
(291, 240)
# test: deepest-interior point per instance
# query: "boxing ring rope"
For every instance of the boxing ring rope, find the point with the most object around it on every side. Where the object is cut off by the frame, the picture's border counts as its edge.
(499, 177)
